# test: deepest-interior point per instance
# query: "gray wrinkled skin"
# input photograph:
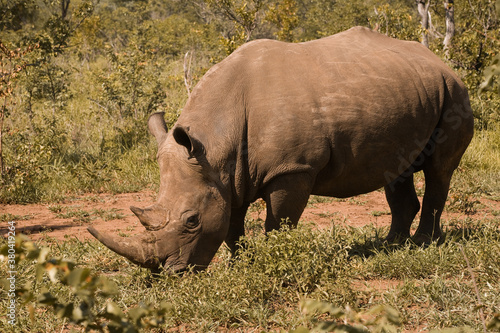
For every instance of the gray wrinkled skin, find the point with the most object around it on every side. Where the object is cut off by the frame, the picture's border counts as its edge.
(339, 116)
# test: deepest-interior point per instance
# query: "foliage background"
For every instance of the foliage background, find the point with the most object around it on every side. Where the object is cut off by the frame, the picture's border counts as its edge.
(75, 118)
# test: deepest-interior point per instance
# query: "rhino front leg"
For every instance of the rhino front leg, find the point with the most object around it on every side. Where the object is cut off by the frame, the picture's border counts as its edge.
(236, 227)
(286, 197)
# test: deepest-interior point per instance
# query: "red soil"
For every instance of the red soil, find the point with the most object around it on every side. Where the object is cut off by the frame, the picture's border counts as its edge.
(40, 220)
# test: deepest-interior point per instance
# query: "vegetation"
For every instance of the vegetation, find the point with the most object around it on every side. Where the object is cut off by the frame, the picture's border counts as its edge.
(78, 79)
(340, 279)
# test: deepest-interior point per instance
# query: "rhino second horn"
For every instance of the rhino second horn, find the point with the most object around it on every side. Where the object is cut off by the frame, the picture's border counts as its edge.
(139, 212)
(152, 217)
(140, 249)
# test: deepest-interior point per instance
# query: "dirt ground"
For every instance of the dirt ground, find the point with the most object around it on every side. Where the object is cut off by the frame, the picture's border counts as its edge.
(111, 214)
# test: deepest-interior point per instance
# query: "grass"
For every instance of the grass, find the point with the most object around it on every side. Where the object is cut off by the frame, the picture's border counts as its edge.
(108, 214)
(380, 212)
(80, 215)
(479, 171)
(263, 289)
(12, 217)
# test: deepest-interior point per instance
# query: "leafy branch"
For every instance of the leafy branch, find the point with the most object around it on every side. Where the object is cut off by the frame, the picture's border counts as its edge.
(86, 289)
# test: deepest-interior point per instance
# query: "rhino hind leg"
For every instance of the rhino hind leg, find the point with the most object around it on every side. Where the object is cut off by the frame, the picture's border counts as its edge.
(436, 193)
(455, 130)
(404, 205)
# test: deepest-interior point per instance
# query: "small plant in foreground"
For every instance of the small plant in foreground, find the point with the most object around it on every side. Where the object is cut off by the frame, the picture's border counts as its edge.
(86, 308)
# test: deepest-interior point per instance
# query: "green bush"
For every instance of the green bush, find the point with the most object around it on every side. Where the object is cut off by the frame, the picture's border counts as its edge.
(80, 105)
(298, 259)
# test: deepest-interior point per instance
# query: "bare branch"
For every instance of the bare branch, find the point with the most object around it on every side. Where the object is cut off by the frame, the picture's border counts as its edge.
(188, 57)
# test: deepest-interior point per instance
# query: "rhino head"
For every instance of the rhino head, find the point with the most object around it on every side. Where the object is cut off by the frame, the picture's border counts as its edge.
(190, 219)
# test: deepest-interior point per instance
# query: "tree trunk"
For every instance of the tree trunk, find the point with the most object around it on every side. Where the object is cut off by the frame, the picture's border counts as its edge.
(423, 11)
(450, 25)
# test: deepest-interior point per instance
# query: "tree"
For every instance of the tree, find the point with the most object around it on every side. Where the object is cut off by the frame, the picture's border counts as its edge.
(237, 19)
(423, 8)
(493, 70)
(423, 11)
(450, 25)
(15, 13)
(283, 15)
(12, 62)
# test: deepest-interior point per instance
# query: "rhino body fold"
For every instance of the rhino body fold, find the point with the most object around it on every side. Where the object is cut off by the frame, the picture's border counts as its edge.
(339, 116)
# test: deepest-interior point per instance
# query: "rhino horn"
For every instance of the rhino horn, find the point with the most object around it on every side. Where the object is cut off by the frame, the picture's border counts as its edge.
(139, 212)
(152, 218)
(140, 249)
(158, 127)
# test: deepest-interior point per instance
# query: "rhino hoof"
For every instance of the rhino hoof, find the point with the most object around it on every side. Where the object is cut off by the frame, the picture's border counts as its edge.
(396, 238)
(426, 239)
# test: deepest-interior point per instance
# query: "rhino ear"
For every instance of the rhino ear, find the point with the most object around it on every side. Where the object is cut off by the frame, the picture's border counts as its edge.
(157, 126)
(182, 137)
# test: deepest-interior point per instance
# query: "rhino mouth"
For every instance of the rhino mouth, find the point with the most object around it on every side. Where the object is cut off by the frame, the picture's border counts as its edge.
(185, 269)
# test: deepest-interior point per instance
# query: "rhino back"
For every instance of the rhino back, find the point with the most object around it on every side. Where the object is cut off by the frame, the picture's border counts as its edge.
(345, 108)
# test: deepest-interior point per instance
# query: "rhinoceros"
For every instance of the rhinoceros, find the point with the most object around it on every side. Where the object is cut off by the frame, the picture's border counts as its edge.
(339, 116)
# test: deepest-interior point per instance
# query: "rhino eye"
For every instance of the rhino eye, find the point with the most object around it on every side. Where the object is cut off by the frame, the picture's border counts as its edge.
(192, 221)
